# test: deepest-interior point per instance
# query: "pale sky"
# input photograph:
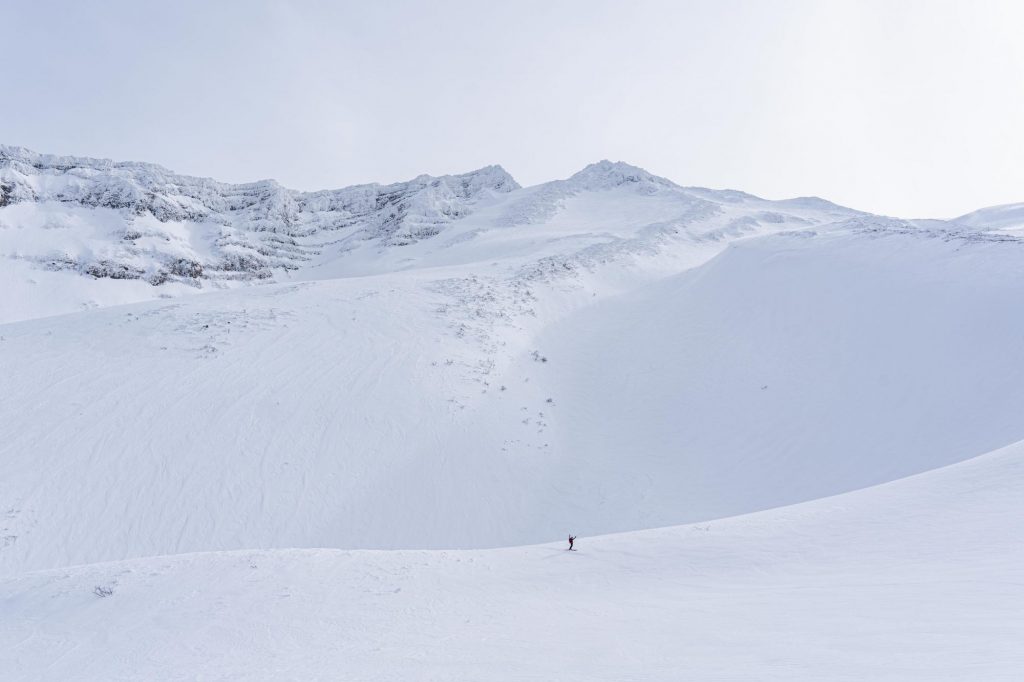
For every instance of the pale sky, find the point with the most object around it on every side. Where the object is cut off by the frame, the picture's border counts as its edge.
(914, 109)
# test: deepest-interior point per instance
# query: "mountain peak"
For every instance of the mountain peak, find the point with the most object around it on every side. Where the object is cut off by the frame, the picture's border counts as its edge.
(492, 177)
(606, 174)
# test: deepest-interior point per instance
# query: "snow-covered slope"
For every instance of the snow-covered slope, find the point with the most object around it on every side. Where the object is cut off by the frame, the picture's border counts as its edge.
(558, 359)
(1008, 219)
(790, 367)
(915, 580)
(460, 362)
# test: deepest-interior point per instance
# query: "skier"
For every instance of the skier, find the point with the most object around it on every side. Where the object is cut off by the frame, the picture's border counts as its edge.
(572, 538)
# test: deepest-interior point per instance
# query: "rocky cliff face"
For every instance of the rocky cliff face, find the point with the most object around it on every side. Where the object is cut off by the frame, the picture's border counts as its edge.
(141, 221)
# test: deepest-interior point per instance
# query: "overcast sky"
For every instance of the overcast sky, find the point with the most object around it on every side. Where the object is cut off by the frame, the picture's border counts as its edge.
(913, 109)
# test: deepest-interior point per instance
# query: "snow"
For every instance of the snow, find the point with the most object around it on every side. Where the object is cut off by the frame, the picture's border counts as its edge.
(356, 412)
(320, 434)
(917, 579)
(181, 234)
(435, 408)
(788, 368)
(1008, 218)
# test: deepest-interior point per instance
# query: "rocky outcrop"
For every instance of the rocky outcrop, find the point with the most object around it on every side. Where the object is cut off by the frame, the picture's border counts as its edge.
(177, 227)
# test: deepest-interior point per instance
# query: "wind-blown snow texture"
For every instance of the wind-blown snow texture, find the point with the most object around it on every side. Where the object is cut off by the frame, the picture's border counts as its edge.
(459, 362)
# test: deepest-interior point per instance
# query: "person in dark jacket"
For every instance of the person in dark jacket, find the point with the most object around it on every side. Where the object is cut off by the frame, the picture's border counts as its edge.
(572, 538)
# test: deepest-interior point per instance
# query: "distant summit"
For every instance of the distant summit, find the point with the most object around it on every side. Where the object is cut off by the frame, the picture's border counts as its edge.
(606, 174)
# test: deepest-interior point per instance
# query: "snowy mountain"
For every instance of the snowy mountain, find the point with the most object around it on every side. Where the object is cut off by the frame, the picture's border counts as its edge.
(230, 372)
(136, 221)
